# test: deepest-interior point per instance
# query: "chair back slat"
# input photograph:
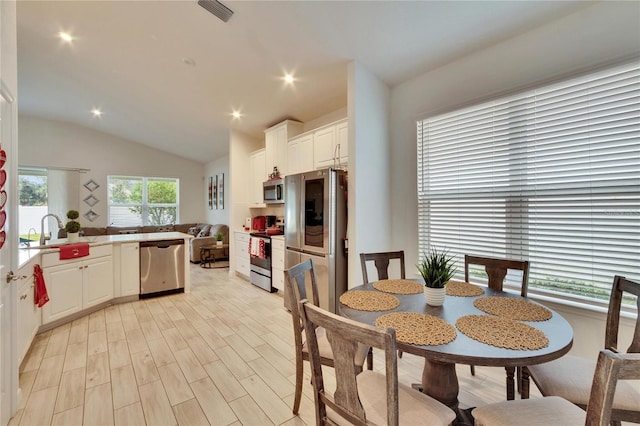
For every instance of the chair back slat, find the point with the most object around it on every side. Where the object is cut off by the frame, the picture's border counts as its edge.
(497, 269)
(381, 263)
(344, 335)
(610, 368)
(620, 286)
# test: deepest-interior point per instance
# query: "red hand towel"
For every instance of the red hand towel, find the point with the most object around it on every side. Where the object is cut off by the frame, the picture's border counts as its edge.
(41, 296)
(72, 251)
(261, 253)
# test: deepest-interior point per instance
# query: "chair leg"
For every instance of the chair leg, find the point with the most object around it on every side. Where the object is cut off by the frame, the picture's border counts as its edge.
(298, 394)
(370, 359)
(473, 370)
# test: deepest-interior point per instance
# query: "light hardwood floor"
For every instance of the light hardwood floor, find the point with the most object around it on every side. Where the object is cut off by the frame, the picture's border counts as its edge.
(222, 354)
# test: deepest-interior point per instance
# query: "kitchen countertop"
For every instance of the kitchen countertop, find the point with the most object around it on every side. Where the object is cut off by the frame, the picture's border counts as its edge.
(53, 246)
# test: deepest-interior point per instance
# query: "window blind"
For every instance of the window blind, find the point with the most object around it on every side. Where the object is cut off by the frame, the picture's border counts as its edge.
(551, 175)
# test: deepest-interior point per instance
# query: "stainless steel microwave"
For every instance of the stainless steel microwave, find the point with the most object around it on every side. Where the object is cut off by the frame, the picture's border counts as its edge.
(273, 191)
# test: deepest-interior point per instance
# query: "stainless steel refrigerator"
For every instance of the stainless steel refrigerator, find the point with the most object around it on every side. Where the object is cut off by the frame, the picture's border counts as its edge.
(316, 228)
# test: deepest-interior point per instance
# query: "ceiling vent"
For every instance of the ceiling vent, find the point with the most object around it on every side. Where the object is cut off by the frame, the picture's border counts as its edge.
(217, 8)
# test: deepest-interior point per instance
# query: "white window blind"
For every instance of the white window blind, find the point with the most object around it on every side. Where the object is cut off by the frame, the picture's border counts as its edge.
(551, 175)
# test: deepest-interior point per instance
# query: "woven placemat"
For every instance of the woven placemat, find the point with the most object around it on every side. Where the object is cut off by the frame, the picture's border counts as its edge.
(418, 329)
(369, 300)
(502, 332)
(464, 289)
(512, 308)
(399, 286)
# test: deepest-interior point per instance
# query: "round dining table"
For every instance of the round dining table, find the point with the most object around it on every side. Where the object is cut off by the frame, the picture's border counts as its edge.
(439, 379)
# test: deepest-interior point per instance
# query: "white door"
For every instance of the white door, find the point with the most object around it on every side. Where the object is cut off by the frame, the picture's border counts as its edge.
(8, 262)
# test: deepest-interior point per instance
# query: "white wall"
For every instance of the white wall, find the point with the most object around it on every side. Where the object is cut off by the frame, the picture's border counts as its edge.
(240, 146)
(602, 32)
(594, 35)
(214, 168)
(369, 171)
(47, 143)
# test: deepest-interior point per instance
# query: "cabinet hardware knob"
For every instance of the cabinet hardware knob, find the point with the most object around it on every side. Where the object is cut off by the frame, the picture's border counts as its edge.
(24, 296)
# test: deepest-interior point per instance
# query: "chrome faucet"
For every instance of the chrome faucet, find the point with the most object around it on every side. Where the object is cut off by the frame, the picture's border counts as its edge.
(42, 236)
(28, 242)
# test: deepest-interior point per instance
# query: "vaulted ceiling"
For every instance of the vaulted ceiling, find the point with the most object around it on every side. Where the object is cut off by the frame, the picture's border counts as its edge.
(168, 74)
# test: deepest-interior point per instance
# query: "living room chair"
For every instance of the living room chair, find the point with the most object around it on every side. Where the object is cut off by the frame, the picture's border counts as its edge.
(496, 270)
(296, 285)
(368, 397)
(567, 377)
(612, 371)
(381, 262)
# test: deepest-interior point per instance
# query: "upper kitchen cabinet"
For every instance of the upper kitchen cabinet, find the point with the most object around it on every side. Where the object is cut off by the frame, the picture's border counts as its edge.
(331, 145)
(276, 138)
(258, 172)
(300, 154)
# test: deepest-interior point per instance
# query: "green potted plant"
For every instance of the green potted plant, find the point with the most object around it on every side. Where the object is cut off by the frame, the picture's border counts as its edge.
(72, 227)
(436, 269)
(219, 238)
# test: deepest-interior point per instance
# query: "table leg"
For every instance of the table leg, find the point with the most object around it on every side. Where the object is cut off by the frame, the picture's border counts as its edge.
(440, 381)
(511, 390)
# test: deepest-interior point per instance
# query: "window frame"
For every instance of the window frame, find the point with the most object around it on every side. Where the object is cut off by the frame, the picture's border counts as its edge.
(144, 205)
(425, 215)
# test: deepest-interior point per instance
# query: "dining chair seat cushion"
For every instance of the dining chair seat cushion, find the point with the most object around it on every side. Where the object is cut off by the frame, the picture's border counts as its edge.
(414, 408)
(325, 348)
(570, 377)
(547, 411)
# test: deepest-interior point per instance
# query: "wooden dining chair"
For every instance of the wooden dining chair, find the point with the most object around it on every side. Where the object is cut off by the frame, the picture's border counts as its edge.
(496, 270)
(567, 377)
(381, 262)
(369, 397)
(611, 373)
(296, 285)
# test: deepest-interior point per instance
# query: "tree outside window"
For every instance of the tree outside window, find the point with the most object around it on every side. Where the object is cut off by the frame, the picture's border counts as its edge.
(136, 201)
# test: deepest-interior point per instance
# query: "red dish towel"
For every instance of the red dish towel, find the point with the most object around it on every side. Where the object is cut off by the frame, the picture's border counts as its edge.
(41, 296)
(72, 251)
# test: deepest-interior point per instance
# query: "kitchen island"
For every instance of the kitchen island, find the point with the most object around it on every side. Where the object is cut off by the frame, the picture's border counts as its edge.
(109, 274)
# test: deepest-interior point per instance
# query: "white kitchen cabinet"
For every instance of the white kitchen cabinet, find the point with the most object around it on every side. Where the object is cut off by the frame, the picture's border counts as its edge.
(276, 152)
(331, 145)
(258, 176)
(277, 263)
(97, 282)
(129, 269)
(300, 154)
(74, 285)
(242, 254)
(29, 317)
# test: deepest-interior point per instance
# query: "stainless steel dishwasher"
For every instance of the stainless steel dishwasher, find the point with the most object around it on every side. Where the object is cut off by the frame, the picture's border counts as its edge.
(161, 267)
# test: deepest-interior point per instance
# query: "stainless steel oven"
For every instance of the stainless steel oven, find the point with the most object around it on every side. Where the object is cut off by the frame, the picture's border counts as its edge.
(260, 261)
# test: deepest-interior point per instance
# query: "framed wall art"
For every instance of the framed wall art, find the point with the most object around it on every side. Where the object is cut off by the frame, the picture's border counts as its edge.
(210, 193)
(220, 182)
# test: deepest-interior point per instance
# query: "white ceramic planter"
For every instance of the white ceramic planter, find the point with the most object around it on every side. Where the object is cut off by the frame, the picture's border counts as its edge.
(72, 237)
(434, 296)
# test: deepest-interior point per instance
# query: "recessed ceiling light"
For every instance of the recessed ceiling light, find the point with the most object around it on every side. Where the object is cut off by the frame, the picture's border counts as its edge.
(288, 78)
(65, 36)
(96, 112)
(236, 114)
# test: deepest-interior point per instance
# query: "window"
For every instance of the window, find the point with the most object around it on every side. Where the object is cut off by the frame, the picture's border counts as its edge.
(138, 201)
(551, 175)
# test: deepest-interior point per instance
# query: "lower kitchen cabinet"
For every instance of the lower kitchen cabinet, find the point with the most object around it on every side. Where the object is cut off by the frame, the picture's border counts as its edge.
(277, 263)
(76, 285)
(29, 317)
(129, 269)
(242, 254)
